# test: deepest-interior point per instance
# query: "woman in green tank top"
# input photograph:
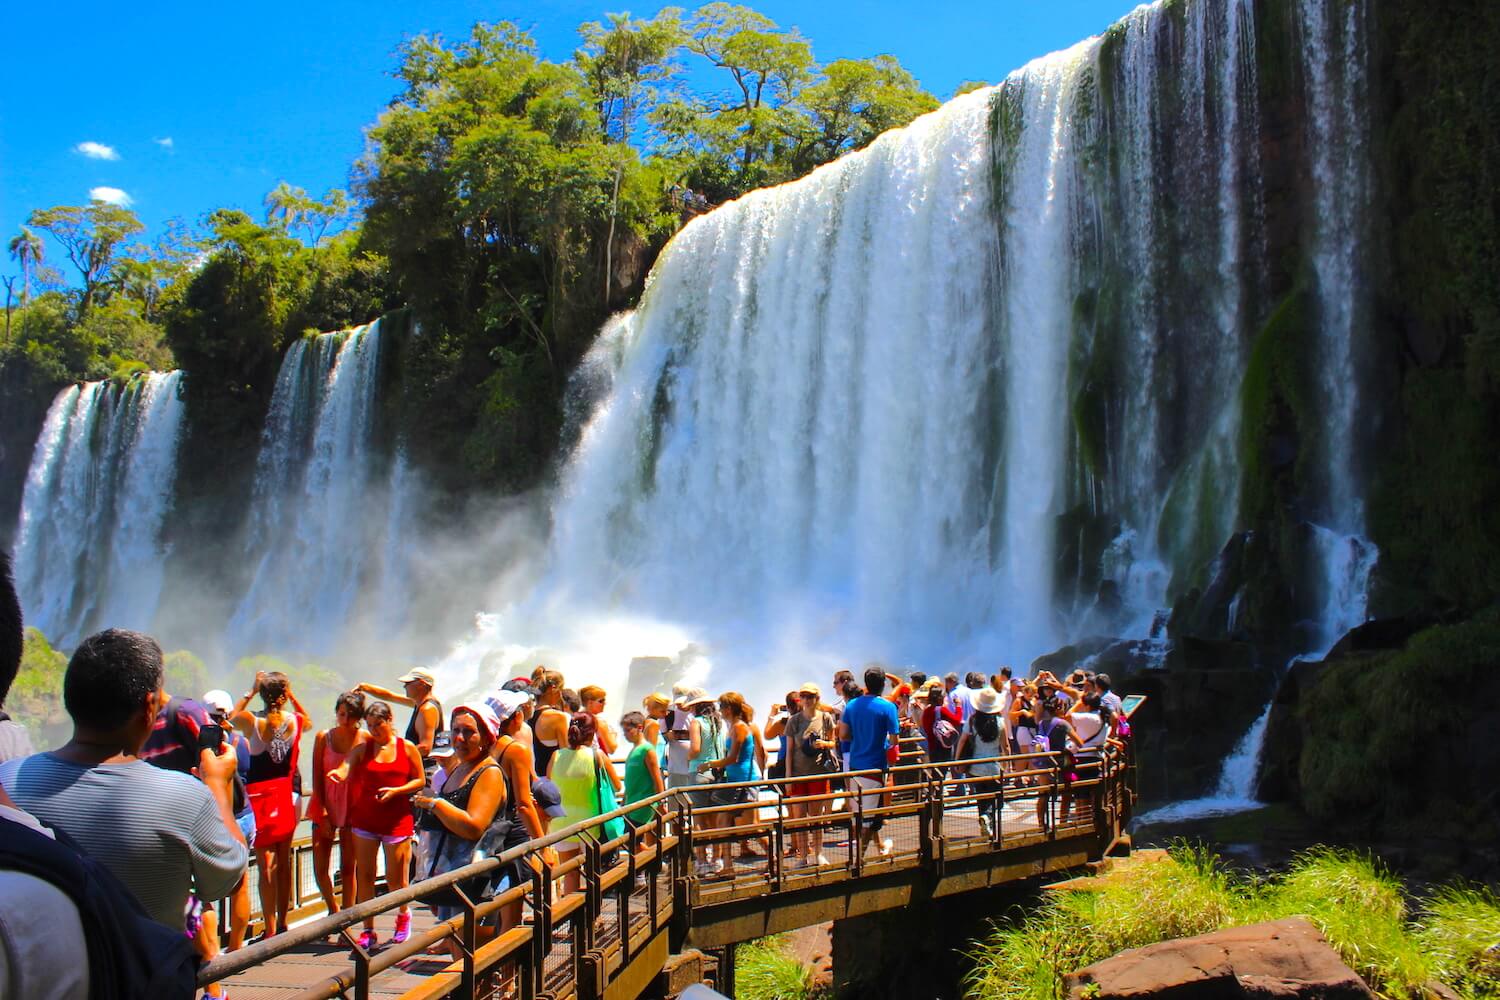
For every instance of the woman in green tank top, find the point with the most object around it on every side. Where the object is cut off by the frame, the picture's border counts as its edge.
(642, 772)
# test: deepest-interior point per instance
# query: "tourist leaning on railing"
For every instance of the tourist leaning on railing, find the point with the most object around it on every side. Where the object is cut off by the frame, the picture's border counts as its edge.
(473, 794)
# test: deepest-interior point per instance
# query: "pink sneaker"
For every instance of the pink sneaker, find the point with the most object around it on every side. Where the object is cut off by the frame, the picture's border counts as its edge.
(367, 940)
(403, 928)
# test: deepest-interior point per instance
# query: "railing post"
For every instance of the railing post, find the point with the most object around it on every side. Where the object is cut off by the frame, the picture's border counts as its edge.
(361, 966)
(776, 843)
(466, 987)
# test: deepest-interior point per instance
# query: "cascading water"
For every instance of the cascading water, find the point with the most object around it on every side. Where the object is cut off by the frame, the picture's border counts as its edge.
(898, 409)
(89, 553)
(1334, 59)
(314, 516)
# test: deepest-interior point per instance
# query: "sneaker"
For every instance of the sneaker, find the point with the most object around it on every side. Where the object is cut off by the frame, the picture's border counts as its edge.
(403, 928)
(988, 827)
(885, 847)
(367, 940)
(821, 861)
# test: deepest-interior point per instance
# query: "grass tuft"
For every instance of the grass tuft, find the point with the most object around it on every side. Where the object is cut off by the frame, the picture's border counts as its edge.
(764, 971)
(1358, 905)
(1460, 930)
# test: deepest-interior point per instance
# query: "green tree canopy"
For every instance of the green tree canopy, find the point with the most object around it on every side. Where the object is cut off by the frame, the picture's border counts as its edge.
(90, 235)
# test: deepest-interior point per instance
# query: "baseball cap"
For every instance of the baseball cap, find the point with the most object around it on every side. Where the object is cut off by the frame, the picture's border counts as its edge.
(811, 689)
(504, 704)
(219, 700)
(548, 796)
(442, 744)
(417, 674)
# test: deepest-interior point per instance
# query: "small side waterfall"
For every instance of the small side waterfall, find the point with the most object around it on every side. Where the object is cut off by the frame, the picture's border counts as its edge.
(316, 511)
(89, 553)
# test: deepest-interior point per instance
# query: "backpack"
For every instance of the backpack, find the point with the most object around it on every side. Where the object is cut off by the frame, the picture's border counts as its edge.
(944, 733)
(130, 956)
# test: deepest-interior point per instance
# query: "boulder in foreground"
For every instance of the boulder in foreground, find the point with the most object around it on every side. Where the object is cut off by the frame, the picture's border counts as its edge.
(1277, 959)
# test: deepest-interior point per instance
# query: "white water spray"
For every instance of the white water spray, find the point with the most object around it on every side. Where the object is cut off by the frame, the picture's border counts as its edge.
(89, 553)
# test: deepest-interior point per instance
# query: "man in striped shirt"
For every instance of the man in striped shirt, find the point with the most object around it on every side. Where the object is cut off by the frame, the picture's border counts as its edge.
(162, 833)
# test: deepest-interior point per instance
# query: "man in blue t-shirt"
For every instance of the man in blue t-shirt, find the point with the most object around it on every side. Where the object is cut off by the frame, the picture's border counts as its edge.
(868, 727)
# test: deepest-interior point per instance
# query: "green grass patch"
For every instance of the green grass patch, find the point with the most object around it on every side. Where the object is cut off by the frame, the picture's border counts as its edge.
(1360, 907)
(1460, 930)
(764, 971)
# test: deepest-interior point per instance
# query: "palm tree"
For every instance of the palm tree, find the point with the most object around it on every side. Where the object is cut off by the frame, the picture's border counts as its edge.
(287, 206)
(27, 250)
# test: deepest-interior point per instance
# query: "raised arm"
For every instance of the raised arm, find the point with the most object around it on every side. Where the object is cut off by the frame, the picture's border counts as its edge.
(385, 694)
(304, 720)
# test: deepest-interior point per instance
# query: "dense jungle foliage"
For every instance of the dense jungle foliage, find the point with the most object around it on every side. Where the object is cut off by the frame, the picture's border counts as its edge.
(509, 200)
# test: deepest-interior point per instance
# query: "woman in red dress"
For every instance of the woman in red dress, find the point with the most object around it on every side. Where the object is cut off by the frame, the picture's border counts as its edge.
(273, 736)
(384, 772)
(329, 809)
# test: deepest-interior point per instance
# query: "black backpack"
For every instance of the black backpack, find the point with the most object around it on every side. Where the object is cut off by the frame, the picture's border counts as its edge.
(130, 956)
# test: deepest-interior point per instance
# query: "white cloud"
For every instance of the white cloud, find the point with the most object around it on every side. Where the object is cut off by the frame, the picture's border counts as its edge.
(96, 151)
(113, 196)
(164, 142)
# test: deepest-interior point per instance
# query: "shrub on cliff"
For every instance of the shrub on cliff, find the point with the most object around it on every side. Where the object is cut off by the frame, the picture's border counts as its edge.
(1397, 738)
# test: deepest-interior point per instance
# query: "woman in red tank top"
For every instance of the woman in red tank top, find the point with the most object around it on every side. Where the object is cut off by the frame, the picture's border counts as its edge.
(384, 772)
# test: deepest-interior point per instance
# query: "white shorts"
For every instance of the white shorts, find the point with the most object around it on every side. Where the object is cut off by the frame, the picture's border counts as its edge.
(869, 791)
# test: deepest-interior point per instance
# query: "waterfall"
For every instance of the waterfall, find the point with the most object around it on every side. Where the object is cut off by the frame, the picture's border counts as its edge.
(89, 553)
(922, 404)
(316, 511)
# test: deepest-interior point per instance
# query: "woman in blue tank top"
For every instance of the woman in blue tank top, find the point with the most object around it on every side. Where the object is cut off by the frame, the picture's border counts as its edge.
(738, 764)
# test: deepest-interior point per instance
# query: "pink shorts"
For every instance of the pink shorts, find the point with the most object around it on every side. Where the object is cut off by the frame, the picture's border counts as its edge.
(399, 838)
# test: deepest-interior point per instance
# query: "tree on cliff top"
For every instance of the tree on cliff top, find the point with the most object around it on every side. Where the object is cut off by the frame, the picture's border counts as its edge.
(90, 235)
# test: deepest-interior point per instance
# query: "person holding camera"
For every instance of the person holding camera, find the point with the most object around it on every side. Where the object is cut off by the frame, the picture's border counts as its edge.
(273, 735)
(811, 738)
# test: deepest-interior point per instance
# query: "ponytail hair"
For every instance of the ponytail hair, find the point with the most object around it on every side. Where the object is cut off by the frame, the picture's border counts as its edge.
(581, 730)
(733, 701)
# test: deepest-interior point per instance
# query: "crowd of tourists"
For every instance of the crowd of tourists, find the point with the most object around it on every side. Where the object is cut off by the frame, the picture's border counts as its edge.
(158, 802)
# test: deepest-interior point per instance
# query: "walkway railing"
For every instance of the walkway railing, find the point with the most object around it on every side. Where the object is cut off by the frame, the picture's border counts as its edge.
(601, 919)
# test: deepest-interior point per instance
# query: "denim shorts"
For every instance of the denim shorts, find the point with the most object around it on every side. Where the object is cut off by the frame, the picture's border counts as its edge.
(246, 820)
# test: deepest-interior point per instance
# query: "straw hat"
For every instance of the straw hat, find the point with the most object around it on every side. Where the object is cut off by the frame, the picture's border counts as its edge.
(696, 696)
(987, 700)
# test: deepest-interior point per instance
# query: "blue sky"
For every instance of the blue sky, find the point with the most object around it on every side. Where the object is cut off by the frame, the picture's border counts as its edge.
(254, 93)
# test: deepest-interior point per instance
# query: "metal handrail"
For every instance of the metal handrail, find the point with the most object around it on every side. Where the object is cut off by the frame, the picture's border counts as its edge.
(933, 778)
